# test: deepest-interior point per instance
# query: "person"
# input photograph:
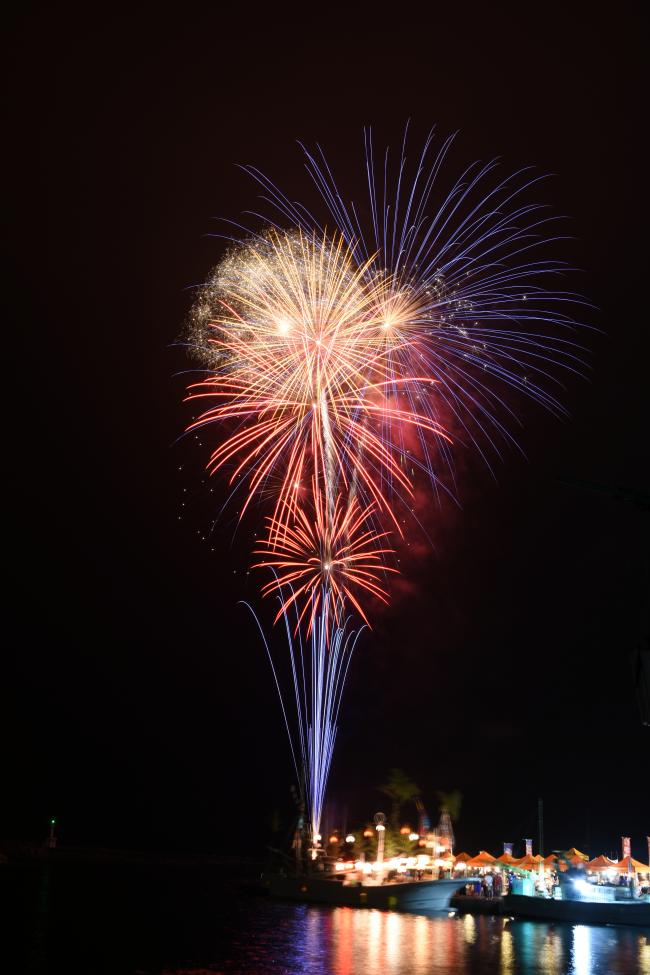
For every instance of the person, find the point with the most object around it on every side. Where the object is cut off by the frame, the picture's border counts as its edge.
(490, 886)
(484, 886)
(498, 885)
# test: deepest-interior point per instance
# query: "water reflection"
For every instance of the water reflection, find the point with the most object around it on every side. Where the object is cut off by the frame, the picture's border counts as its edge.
(582, 949)
(165, 922)
(469, 928)
(507, 952)
(381, 943)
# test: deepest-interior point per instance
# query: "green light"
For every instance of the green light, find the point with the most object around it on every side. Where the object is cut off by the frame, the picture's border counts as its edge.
(53, 822)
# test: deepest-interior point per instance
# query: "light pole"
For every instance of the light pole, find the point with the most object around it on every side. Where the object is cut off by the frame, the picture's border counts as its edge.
(380, 826)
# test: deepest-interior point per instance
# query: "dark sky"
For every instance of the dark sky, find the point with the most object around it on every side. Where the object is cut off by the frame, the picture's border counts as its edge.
(138, 704)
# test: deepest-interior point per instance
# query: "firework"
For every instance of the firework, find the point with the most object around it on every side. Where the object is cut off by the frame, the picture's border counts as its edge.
(466, 263)
(303, 342)
(317, 668)
(335, 553)
(337, 360)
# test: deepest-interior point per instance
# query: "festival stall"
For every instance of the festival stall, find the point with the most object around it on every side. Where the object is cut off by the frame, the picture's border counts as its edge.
(528, 862)
(482, 861)
(460, 864)
(630, 865)
(508, 863)
(602, 864)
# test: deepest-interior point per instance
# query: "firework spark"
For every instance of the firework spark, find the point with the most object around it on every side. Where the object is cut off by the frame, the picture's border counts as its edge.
(332, 552)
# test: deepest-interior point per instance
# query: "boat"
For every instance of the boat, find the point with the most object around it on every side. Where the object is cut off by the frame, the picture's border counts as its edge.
(578, 911)
(598, 906)
(402, 895)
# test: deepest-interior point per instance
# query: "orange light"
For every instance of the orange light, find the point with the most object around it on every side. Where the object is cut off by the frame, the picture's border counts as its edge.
(367, 832)
(405, 830)
(334, 839)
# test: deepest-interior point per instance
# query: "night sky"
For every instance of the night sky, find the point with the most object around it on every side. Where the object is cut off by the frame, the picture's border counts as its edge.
(138, 706)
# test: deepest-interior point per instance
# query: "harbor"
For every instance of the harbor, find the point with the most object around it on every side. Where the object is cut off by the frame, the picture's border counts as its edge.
(123, 918)
(564, 886)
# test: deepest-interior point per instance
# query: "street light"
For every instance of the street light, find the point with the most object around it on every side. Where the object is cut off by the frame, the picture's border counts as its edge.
(380, 826)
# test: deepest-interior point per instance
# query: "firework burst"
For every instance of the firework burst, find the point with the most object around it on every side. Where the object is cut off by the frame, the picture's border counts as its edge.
(336, 359)
(467, 263)
(335, 552)
(303, 341)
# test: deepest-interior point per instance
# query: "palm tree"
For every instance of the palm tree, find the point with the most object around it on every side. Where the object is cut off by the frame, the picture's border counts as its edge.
(450, 802)
(449, 805)
(399, 789)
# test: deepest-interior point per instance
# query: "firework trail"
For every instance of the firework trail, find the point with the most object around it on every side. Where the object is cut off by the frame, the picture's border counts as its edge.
(338, 351)
(317, 668)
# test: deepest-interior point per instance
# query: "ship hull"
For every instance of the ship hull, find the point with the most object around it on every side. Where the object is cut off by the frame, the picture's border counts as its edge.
(417, 896)
(578, 911)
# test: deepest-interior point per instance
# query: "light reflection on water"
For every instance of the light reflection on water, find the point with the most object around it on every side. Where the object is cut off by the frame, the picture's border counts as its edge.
(128, 921)
(345, 941)
(507, 957)
(582, 949)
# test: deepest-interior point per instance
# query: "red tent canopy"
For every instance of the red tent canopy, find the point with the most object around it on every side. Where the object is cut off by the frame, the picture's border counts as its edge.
(631, 865)
(528, 863)
(601, 863)
(575, 855)
(482, 859)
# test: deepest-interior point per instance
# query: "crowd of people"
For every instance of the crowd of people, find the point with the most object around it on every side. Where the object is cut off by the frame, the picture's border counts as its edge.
(490, 885)
(498, 883)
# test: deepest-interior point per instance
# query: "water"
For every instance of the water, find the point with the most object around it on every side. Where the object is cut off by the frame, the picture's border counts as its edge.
(113, 920)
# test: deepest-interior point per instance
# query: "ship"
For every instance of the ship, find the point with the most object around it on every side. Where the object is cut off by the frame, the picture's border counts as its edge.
(583, 911)
(418, 896)
(577, 901)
